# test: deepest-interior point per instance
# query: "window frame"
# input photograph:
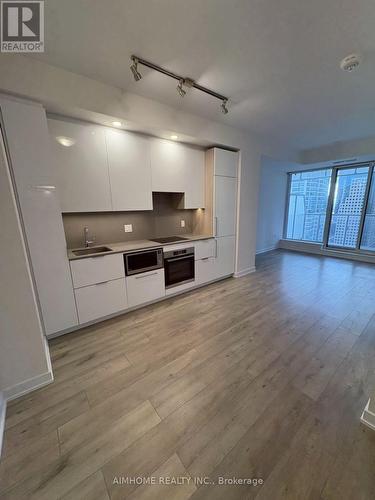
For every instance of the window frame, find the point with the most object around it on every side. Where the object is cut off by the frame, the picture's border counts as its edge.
(330, 203)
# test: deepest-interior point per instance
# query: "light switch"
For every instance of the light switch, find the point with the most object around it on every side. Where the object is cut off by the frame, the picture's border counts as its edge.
(128, 228)
(182, 223)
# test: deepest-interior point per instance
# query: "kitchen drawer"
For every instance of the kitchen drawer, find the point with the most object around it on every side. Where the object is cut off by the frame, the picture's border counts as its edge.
(205, 270)
(204, 249)
(101, 299)
(145, 287)
(181, 288)
(178, 246)
(97, 269)
(221, 266)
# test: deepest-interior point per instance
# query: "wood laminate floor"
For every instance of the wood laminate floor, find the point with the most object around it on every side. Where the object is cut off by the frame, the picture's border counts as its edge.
(261, 377)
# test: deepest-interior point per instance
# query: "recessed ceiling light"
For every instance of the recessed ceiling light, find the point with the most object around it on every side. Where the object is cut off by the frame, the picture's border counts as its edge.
(45, 188)
(351, 62)
(65, 141)
(117, 124)
(174, 137)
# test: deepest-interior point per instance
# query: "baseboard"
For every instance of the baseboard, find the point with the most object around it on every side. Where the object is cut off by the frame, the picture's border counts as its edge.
(316, 249)
(368, 418)
(28, 385)
(265, 250)
(3, 407)
(244, 272)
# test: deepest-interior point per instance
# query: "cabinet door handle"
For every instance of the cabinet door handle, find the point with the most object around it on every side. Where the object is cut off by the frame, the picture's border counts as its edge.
(146, 276)
(216, 225)
(102, 283)
(215, 248)
(205, 258)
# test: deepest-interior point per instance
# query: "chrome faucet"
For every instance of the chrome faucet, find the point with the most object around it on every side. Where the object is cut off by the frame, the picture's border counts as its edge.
(86, 236)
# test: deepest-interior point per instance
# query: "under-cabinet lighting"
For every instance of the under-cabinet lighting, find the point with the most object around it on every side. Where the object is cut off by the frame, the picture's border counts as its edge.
(65, 141)
(117, 124)
(174, 137)
(47, 188)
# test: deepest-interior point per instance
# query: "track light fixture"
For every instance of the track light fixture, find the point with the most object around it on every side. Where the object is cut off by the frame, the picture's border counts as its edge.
(180, 88)
(134, 69)
(223, 107)
(183, 82)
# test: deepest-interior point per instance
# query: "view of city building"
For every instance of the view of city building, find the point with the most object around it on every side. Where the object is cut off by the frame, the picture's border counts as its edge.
(308, 200)
(347, 207)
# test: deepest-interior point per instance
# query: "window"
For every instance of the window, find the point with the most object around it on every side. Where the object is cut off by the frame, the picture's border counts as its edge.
(308, 198)
(347, 207)
(333, 206)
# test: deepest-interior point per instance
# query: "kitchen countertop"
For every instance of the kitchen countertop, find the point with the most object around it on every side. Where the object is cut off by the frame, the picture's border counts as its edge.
(129, 246)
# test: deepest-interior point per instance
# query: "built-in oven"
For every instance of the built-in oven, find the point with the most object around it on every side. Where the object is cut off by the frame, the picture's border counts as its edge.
(142, 261)
(179, 267)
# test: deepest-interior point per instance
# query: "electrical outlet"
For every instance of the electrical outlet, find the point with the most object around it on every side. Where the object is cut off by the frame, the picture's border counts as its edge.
(182, 223)
(128, 228)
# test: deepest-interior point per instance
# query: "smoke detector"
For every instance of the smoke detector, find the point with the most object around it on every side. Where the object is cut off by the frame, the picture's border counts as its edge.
(350, 63)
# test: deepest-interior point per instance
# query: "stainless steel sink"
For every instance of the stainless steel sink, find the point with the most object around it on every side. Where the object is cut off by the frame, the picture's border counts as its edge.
(91, 251)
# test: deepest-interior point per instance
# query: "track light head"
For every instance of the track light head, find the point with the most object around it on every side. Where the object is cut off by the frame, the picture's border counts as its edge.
(180, 88)
(134, 69)
(223, 106)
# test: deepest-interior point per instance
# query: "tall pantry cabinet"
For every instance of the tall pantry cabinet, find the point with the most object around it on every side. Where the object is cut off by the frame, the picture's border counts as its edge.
(222, 171)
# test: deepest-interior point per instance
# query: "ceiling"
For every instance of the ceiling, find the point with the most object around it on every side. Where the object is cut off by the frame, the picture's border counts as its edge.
(277, 61)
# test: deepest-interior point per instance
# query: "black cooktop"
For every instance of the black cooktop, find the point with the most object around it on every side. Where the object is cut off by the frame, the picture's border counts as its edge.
(169, 239)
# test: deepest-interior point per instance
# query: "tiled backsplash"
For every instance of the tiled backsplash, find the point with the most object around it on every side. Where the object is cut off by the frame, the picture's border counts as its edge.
(108, 227)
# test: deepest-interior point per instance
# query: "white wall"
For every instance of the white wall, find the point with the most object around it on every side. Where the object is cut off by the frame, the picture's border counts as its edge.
(272, 201)
(24, 357)
(75, 95)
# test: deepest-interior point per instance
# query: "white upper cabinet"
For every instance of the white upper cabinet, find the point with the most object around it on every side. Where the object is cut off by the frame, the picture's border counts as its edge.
(101, 169)
(129, 170)
(226, 162)
(194, 178)
(167, 166)
(177, 168)
(81, 165)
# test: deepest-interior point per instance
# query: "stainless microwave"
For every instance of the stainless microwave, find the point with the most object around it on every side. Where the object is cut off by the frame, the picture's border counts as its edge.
(142, 261)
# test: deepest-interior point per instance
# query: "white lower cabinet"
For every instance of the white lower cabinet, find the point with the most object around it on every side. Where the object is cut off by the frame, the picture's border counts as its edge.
(97, 269)
(221, 265)
(225, 255)
(145, 287)
(204, 248)
(100, 300)
(181, 288)
(205, 270)
(101, 288)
